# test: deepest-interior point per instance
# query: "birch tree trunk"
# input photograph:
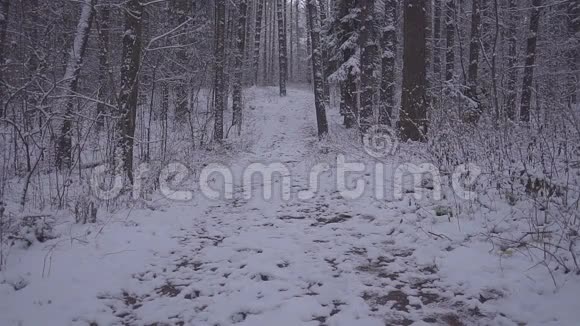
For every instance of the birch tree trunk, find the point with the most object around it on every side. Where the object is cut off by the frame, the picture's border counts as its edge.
(530, 61)
(317, 68)
(388, 64)
(413, 116)
(238, 66)
(71, 77)
(129, 89)
(282, 55)
(220, 58)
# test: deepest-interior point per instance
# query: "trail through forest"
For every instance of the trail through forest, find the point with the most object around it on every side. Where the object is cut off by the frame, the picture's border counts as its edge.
(324, 260)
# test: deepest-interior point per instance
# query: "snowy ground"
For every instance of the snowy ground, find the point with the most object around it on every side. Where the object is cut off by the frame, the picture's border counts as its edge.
(320, 261)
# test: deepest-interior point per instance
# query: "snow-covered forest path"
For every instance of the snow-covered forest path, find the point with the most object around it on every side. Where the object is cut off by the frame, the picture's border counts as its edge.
(324, 260)
(321, 261)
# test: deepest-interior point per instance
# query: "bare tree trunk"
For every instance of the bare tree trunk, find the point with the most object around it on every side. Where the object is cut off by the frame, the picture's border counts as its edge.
(220, 58)
(512, 77)
(473, 114)
(309, 63)
(388, 64)
(368, 46)
(266, 43)
(238, 69)
(297, 64)
(324, 44)
(437, 44)
(181, 11)
(104, 80)
(317, 68)
(282, 55)
(291, 40)
(71, 76)
(348, 103)
(129, 89)
(450, 36)
(413, 116)
(4, 9)
(530, 61)
(573, 53)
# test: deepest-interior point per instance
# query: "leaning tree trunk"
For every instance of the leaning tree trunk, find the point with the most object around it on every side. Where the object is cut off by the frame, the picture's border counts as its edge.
(129, 89)
(238, 66)
(388, 64)
(473, 114)
(368, 56)
(450, 36)
(257, 36)
(220, 58)
(71, 77)
(317, 74)
(530, 61)
(413, 116)
(282, 55)
(512, 73)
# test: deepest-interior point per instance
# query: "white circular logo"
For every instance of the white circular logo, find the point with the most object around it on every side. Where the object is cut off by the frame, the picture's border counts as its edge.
(380, 141)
